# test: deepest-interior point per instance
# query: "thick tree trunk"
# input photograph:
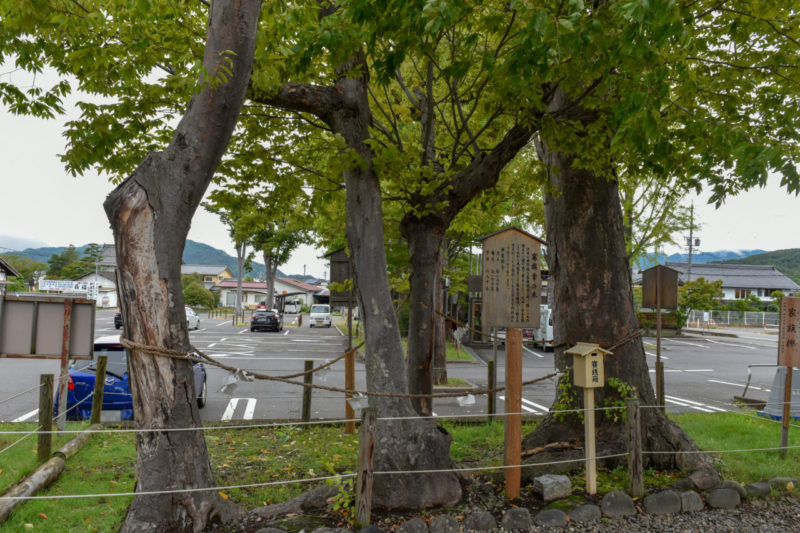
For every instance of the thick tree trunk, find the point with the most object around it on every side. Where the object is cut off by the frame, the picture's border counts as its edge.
(425, 445)
(150, 214)
(241, 254)
(440, 323)
(425, 244)
(593, 302)
(270, 274)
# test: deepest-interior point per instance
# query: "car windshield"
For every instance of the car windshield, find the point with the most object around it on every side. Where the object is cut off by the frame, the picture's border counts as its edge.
(261, 314)
(319, 308)
(117, 358)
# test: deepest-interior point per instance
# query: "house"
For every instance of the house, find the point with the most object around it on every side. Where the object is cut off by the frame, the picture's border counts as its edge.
(254, 292)
(106, 287)
(212, 274)
(739, 281)
(6, 271)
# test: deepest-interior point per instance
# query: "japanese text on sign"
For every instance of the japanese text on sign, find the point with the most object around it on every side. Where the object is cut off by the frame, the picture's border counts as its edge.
(511, 280)
(788, 350)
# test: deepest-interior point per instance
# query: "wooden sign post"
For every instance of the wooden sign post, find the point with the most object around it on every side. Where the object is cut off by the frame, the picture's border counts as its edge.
(588, 373)
(511, 299)
(659, 291)
(788, 356)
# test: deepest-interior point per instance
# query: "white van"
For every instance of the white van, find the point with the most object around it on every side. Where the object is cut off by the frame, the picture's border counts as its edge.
(320, 316)
(543, 336)
(292, 307)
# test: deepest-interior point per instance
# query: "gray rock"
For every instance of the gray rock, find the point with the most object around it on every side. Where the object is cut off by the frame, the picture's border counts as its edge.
(723, 498)
(516, 518)
(759, 489)
(330, 530)
(617, 503)
(443, 524)
(664, 502)
(415, 525)
(730, 484)
(271, 530)
(371, 529)
(552, 487)
(551, 518)
(683, 484)
(585, 513)
(480, 521)
(781, 482)
(705, 478)
(691, 502)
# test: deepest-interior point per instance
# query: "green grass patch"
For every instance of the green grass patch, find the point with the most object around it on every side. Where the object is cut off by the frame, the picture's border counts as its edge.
(277, 454)
(743, 430)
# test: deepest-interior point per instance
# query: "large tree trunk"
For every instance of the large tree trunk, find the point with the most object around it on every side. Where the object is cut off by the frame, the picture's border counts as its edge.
(425, 244)
(150, 214)
(425, 445)
(440, 323)
(593, 302)
(270, 274)
(241, 254)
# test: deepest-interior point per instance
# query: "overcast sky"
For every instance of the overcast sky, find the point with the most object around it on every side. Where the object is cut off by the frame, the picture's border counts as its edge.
(41, 202)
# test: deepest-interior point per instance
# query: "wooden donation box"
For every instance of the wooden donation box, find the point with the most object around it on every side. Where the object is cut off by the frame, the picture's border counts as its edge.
(587, 365)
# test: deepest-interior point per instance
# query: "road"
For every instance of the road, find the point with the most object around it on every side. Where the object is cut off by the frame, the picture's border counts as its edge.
(703, 373)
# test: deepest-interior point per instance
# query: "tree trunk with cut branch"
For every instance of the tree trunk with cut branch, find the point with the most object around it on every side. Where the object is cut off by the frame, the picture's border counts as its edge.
(150, 214)
(593, 302)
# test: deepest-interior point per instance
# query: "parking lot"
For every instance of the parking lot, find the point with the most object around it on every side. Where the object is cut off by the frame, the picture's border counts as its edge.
(702, 373)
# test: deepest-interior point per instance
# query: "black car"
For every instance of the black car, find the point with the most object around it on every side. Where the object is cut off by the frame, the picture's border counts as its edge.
(118, 320)
(266, 320)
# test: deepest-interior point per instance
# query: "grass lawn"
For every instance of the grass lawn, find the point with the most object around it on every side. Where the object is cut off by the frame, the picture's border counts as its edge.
(276, 454)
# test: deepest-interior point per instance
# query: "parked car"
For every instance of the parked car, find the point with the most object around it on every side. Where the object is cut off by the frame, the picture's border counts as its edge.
(320, 316)
(118, 320)
(262, 306)
(527, 335)
(266, 320)
(117, 400)
(192, 320)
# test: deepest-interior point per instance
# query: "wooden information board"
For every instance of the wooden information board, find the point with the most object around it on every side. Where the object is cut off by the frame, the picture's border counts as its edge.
(511, 279)
(788, 349)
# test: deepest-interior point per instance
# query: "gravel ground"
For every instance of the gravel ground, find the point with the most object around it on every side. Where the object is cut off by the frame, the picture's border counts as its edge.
(758, 516)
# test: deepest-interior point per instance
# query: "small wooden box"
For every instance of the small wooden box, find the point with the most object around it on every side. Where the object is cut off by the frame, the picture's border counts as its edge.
(587, 365)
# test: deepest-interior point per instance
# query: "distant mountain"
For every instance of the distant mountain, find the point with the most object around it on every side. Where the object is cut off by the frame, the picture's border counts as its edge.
(194, 253)
(787, 261)
(9, 243)
(702, 257)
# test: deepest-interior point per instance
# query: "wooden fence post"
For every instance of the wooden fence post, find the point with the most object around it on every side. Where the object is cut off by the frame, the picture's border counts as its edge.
(513, 429)
(45, 416)
(308, 378)
(491, 398)
(634, 442)
(366, 452)
(99, 387)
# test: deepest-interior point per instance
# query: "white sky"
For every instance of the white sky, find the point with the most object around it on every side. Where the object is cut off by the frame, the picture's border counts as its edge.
(41, 201)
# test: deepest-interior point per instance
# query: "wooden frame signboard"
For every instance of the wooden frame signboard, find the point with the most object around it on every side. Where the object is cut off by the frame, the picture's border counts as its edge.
(46, 327)
(788, 349)
(511, 279)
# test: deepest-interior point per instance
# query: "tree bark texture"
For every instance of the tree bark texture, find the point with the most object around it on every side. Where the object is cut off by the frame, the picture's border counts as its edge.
(241, 255)
(150, 214)
(270, 274)
(439, 321)
(593, 302)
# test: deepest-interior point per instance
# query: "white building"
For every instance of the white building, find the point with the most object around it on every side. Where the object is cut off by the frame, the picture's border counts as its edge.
(739, 281)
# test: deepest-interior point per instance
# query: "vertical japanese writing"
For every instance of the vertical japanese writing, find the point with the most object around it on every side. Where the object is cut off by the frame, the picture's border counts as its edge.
(788, 349)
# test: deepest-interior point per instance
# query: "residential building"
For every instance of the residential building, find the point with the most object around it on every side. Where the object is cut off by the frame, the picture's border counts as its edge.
(739, 281)
(106, 287)
(254, 292)
(6, 271)
(212, 274)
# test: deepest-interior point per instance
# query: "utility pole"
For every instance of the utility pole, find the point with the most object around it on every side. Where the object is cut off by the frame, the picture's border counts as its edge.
(691, 242)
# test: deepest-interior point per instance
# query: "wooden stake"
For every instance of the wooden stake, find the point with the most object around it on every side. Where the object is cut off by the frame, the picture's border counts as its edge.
(99, 388)
(589, 441)
(634, 441)
(513, 452)
(366, 453)
(45, 416)
(308, 378)
(787, 411)
(63, 379)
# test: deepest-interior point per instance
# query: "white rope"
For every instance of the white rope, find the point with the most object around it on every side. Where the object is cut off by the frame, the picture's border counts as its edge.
(175, 491)
(21, 393)
(19, 440)
(744, 450)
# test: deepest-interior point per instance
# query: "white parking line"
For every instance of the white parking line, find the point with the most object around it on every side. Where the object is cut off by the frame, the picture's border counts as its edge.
(286, 332)
(536, 405)
(739, 385)
(243, 331)
(731, 344)
(532, 352)
(651, 354)
(523, 405)
(694, 405)
(26, 416)
(689, 344)
(248, 411)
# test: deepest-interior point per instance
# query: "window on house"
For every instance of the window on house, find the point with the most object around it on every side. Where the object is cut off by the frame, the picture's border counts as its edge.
(208, 278)
(741, 294)
(230, 299)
